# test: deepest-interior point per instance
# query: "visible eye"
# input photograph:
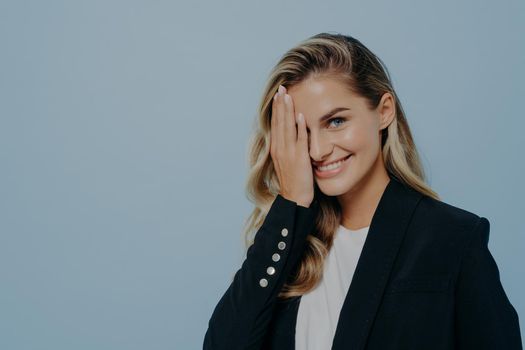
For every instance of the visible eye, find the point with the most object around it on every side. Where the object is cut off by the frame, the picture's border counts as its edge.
(337, 118)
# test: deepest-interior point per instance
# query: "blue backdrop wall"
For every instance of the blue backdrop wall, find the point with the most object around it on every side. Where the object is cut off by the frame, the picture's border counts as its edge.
(124, 127)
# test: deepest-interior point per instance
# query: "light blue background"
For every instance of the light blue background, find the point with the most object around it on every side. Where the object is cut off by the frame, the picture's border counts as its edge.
(124, 129)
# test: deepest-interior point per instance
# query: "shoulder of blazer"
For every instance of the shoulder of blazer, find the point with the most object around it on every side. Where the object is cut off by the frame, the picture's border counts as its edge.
(437, 230)
(441, 226)
(445, 217)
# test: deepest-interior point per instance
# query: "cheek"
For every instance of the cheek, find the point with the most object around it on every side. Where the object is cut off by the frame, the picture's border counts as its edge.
(354, 139)
(363, 136)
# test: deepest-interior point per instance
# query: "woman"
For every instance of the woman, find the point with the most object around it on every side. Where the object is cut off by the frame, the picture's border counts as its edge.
(353, 250)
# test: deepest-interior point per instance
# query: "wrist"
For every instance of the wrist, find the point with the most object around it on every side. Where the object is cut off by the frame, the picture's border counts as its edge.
(302, 202)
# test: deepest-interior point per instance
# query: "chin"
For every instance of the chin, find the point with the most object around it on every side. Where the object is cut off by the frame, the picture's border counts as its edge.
(334, 189)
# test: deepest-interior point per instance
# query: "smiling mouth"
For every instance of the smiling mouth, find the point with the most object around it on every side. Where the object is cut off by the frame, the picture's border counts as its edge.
(334, 165)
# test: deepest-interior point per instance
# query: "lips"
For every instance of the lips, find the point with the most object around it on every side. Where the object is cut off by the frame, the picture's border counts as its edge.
(329, 173)
(335, 161)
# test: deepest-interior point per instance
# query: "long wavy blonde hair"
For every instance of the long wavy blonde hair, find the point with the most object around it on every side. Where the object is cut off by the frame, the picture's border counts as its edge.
(346, 59)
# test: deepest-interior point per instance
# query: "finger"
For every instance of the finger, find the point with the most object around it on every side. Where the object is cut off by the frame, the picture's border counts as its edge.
(289, 121)
(273, 124)
(281, 126)
(302, 135)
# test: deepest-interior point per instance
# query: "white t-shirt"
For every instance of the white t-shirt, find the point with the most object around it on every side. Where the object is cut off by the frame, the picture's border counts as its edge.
(319, 309)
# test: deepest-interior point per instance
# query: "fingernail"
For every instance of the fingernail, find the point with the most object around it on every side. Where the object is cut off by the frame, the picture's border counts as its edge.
(300, 117)
(281, 89)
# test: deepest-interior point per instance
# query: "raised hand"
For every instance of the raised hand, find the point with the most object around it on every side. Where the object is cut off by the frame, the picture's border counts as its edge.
(289, 150)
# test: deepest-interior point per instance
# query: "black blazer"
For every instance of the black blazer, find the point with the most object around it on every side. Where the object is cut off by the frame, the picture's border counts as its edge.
(425, 280)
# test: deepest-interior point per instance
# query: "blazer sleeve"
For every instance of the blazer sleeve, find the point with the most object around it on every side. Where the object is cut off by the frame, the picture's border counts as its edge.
(242, 316)
(485, 318)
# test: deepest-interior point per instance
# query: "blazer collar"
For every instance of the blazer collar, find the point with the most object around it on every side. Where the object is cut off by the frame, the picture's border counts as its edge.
(386, 232)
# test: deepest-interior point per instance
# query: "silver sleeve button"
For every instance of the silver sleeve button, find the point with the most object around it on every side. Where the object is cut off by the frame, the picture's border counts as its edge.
(281, 245)
(263, 282)
(276, 257)
(284, 232)
(270, 270)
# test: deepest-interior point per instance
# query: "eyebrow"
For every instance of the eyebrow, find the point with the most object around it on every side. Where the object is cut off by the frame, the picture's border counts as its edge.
(331, 113)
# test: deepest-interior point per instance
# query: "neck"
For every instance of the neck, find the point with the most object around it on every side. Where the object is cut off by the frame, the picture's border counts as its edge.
(359, 205)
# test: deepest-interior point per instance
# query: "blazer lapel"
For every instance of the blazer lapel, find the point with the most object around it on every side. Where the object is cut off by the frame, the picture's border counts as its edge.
(384, 238)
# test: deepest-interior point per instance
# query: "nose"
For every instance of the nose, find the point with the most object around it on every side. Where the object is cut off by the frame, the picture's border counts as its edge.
(319, 147)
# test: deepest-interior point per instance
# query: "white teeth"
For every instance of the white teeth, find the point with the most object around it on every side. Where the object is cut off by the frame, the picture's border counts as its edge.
(332, 166)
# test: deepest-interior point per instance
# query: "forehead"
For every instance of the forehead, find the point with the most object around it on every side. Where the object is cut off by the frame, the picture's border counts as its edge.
(316, 96)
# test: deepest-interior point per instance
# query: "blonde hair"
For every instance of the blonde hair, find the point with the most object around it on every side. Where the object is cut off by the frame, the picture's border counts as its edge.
(346, 59)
